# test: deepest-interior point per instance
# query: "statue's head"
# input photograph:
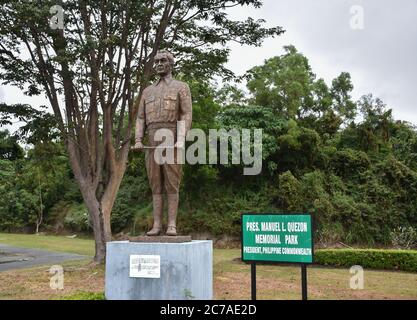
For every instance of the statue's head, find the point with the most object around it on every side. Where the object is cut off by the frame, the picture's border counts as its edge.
(164, 63)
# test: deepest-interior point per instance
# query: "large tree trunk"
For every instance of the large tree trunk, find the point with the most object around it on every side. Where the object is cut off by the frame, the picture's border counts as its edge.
(96, 216)
(99, 205)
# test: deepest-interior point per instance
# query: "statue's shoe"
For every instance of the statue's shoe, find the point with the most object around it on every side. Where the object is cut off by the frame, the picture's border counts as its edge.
(154, 232)
(171, 231)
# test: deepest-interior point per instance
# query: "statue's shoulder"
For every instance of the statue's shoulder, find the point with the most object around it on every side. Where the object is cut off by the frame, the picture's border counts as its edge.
(181, 85)
(148, 88)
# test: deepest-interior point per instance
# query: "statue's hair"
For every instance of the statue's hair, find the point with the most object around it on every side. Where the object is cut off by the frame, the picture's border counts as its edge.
(168, 54)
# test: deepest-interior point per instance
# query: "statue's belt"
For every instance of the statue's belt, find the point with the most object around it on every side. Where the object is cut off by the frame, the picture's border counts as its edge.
(158, 147)
(161, 125)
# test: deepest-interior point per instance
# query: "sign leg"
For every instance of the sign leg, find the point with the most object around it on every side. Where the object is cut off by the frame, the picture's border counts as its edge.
(304, 281)
(253, 280)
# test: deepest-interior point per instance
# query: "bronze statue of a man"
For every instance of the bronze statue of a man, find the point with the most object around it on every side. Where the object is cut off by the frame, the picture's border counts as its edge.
(162, 105)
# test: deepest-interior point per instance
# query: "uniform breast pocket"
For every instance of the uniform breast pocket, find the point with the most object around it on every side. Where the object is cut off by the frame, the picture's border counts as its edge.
(170, 102)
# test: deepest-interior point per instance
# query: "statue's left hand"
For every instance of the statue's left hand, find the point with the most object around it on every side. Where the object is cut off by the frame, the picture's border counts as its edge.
(138, 146)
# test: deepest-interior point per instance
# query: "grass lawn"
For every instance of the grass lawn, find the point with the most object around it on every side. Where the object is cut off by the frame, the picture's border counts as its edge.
(52, 243)
(231, 277)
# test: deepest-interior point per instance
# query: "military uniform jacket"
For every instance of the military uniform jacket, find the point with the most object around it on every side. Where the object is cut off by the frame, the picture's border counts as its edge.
(165, 102)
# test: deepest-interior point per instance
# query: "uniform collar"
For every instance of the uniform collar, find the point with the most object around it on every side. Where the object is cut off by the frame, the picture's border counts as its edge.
(167, 79)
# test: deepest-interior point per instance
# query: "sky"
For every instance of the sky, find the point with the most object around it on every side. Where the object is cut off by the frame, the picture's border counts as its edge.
(380, 52)
(374, 40)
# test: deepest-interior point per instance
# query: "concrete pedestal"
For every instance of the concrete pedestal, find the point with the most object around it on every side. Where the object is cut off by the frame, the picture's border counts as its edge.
(186, 271)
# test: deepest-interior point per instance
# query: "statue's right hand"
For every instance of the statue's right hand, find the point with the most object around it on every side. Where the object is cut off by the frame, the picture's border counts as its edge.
(138, 146)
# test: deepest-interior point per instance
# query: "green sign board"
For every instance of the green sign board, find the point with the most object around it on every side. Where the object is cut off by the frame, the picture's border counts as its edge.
(277, 238)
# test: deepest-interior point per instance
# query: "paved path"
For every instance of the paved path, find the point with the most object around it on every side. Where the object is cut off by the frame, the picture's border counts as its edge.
(18, 258)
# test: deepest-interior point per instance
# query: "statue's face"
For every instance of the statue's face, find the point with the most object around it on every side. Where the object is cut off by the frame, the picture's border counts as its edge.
(162, 65)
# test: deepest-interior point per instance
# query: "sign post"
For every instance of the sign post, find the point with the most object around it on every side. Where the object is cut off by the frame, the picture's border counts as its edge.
(304, 281)
(277, 238)
(253, 280)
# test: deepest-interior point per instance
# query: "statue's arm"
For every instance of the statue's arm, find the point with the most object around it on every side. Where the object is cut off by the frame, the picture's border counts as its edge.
(186, 110)
(140, 121)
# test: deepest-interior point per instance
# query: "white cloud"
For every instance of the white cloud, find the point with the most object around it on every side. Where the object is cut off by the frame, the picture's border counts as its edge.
(381, 58)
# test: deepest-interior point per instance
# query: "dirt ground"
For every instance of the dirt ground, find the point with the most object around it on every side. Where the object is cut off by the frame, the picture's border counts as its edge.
(231, 281)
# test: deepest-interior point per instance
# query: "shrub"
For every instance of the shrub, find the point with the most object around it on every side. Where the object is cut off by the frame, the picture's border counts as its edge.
(405, 260)
(289, 195)
(348, 161)
(329, 234)
(404, 238)
(77, 218)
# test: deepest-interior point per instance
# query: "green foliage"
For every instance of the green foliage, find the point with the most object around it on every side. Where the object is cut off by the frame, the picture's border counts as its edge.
(404, 143)
(290, 192)
(205, 108)
(134, 195)
(220, 212)
(256, 117)
(9, 148)
(341, 88)
(329, 234)
(288, 85)
(404, 237)
(31, 186)
(283, 83)
(298, 148)
(346, 162)
(372, 259)
(38, 127)
(373, 134)
(357, 178)
(76, 218)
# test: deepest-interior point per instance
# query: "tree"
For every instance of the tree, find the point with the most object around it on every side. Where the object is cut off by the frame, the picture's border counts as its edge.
(256, 117)
(404, 143)
(341, 88)
(376, 128)
(9, 148)
(283, 83)
(39, 126)
(287, 84)
(94, 70)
